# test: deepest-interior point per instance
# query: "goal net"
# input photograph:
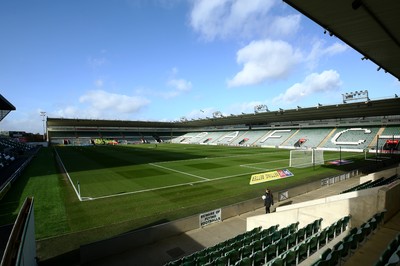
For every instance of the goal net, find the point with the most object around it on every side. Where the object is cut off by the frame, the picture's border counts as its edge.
(306, 158)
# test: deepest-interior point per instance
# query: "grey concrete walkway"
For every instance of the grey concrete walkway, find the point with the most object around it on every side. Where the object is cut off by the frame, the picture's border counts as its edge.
(184, 244)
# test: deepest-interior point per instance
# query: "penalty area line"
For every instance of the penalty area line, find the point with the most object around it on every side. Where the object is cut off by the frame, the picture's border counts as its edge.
(144, 190)
(180, 172)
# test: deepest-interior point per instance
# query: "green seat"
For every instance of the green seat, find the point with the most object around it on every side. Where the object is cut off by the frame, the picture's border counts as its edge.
(301, 252)
(221, 261)
(380, 217)
(338, 227)
(394, 259)
(300, 235)
(269, 230)
(325, 254)
(246, 251)
(289, 258)
(258, 258)
(322, 238)
(361, 234)
(271, 252)
(291, 240)
(233, 256)
(344, 247)
(189, 260)
(276, 236)
(367, 229)
(333, 257)
(353, 242)
(317, 225)
(257, 245)
(244, 262)
(201, 260)
(330, 232)
(273, 228)
(373, 223)
(214, 255)
(345, 222)
(201, 253)
(293, 227)
(309, 230)
(282, 245)
(247, 240)
(276, 262)
(312, 244)
(284, 231)
(383, 259)
(236, 244)
(266, 241)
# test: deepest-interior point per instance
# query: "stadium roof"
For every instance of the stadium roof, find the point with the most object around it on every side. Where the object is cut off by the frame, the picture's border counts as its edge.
(5, 107)
(369, 108)
(371, 27)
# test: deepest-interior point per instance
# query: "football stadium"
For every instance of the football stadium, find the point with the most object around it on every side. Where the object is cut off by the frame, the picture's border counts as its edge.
(189, 192)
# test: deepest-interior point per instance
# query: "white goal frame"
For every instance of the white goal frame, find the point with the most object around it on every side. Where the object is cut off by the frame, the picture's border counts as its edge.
(301, 158)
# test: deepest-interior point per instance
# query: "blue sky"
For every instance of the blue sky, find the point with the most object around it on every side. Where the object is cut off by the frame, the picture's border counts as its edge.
(160, 60)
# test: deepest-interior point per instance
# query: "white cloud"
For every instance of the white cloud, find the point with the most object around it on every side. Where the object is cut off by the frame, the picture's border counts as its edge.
(102, 100)
(319, 50)
(284, 25)
(178, 85)
(224, 18)
(327, 81)
(99, 104)
(264, 60)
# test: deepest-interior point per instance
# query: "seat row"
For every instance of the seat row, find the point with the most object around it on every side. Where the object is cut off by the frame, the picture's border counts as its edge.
(310, 245)
(370, 184)
(269, 242)
(349, 244)
(268, 246)
(391, 254)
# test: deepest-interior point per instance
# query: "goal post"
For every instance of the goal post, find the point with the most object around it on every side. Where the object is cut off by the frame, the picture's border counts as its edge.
(306, 157)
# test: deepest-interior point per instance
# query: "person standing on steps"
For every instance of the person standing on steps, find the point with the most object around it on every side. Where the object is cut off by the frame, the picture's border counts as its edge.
(268, 200)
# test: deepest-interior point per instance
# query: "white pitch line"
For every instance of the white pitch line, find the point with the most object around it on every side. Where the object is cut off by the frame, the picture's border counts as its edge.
(218, 157)
(69, 178)
(144, 190)
(180, 172)
(249, 164)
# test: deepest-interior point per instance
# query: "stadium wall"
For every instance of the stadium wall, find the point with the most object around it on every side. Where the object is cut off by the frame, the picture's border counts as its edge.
(361, 205)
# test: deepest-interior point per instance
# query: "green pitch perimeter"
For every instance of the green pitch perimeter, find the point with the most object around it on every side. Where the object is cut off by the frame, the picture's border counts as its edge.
(129, 187)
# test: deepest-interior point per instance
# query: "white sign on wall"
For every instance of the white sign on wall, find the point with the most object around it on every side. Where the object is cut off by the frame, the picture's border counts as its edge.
(210, 217)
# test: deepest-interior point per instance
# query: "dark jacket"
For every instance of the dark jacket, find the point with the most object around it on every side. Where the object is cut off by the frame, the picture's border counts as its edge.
(269, 199)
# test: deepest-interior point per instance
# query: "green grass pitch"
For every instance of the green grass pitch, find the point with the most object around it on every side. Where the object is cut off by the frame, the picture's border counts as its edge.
(128, 187)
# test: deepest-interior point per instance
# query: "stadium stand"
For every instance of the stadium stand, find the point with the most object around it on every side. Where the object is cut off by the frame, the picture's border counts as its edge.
(371, 184)
(274, 138)
(353, 138)
(249, 137)
(231, 137)
(357, 139)
(312, 137)
(17, 241)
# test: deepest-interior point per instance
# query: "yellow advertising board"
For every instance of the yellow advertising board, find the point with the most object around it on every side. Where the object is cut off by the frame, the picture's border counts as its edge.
(269, 176)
